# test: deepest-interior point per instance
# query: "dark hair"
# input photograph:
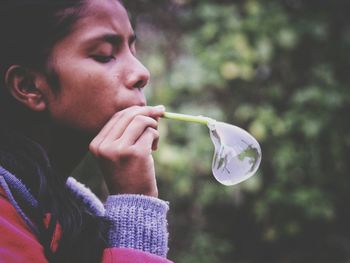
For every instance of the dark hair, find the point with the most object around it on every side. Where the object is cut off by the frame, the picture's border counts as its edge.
(29, 29)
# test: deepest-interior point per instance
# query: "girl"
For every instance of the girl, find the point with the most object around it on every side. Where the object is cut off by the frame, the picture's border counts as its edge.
(70, 82)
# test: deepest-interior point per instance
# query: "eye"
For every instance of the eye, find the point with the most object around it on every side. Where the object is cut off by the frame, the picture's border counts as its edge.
(102, 58)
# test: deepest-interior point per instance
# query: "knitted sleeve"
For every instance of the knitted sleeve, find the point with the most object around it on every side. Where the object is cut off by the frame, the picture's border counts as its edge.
(135, 221)
(138, 222)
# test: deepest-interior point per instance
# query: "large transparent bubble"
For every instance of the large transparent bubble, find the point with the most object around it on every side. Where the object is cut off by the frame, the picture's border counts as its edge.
(237, 154)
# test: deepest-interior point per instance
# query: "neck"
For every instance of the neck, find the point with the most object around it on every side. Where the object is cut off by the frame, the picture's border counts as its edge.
(65, 147)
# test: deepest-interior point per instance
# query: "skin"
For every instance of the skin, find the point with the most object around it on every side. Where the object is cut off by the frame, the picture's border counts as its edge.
(100, 105)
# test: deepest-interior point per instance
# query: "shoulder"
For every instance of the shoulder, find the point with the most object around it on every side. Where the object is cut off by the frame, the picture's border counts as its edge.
(2, 194)
(17, 242)
(9, 217)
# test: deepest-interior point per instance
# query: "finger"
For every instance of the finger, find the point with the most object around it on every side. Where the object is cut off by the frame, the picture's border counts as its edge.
(155, 144)
(146, 140)
(120, 121)
(136, 128)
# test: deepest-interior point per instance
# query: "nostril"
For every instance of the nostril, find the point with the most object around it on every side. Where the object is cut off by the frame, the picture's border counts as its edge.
(137, 75)
(139, 84)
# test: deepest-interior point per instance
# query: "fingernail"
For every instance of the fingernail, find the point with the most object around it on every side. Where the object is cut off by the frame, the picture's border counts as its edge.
(160, 107)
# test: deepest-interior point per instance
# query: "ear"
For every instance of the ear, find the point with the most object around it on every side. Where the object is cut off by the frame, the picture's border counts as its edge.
(21, 84)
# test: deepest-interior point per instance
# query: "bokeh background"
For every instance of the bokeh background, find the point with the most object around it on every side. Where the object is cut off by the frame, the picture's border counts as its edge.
(279, 69)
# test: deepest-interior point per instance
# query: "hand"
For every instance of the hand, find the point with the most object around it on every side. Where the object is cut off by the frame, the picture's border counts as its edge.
(123, 149)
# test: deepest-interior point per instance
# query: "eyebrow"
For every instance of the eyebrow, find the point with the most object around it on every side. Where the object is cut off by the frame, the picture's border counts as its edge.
(113, 39)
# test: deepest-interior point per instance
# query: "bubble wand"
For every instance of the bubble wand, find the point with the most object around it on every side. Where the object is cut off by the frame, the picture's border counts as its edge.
(237, 154)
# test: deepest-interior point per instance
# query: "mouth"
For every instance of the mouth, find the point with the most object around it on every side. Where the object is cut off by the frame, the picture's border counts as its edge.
(138, 102)
(135, 98)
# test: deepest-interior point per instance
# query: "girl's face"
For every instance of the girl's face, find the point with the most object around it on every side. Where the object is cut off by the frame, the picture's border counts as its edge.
(98, 72)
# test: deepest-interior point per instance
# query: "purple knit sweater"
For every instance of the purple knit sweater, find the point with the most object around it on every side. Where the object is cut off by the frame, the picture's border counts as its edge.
(137, 221)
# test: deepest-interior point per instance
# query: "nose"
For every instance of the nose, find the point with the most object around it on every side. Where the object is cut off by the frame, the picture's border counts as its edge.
(137, 74)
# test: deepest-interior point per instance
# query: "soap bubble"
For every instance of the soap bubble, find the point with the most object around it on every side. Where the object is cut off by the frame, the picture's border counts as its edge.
(237, 154)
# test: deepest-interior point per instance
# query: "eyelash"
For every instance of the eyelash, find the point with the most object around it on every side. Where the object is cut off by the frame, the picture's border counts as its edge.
(103, 59)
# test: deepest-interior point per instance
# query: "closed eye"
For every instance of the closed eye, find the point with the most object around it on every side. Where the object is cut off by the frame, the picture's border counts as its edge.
(102, 58)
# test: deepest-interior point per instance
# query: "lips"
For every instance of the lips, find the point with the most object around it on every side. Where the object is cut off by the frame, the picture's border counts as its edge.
(133, 98)
(139, 100)
(140, 103)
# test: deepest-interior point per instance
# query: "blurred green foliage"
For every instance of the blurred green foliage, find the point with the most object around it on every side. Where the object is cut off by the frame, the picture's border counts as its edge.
(279, 69)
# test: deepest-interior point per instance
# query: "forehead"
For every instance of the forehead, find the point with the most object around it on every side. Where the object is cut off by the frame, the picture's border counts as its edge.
(107, 15)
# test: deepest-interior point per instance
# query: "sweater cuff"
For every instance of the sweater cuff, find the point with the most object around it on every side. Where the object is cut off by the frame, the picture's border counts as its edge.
(139, 222)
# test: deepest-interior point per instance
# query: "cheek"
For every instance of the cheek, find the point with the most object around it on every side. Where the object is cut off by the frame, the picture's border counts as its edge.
(84, 84)
(90, 95)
